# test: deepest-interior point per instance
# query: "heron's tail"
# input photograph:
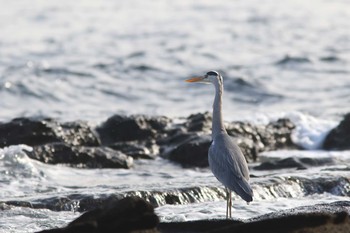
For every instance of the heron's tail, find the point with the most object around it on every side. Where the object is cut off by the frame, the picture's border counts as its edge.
(244, 190)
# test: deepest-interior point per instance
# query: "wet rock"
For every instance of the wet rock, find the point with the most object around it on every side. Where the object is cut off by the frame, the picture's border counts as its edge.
(80, 156)
(4, 206)
(189, 142)
(293, 162)
(191, 151)
(339, 137)
(334, 185)
(131, 214)
(34, 132)
(137, 149)
(196, 226)
(254, 139)
(73, 202)
(322, 218)
(139, 137)
(199, 122)
(131, 128)
(81, 202)
(275, 135)
(268, 188)
(306, 223)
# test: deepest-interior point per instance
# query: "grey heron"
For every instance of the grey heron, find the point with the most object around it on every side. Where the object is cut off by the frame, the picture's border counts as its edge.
(226, 160)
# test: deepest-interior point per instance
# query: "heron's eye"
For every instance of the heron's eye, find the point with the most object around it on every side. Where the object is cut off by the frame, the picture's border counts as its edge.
(213, 73)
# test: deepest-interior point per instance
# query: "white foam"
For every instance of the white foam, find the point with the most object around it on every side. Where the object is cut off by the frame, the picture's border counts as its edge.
(14, 159)
(318, 154)
(310, 131)
(22, 219)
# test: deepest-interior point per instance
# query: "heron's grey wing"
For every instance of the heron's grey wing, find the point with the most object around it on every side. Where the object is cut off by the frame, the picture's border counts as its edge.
(236, 158)
(229, 166)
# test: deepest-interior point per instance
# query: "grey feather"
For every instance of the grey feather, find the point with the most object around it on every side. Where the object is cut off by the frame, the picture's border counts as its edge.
(229, 166)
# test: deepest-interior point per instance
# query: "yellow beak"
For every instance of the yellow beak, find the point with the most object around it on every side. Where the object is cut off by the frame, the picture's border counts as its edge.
(195, 79)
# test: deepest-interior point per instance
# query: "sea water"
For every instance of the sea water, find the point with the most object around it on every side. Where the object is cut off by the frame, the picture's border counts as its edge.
(88, 60)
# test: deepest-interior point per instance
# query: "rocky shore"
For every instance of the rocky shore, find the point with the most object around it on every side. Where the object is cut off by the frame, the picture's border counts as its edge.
(133, 214)
(120, 140)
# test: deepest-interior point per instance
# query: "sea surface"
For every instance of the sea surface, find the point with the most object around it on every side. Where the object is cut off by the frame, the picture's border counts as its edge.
(87, 60)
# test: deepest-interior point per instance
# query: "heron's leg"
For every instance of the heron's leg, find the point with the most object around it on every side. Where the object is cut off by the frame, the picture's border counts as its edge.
(230, 203)
(227, 202)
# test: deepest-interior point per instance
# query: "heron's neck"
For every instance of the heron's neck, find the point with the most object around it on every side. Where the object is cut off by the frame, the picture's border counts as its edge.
(217, 124)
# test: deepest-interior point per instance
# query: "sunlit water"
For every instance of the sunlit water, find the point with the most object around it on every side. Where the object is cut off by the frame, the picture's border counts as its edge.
(90, 59)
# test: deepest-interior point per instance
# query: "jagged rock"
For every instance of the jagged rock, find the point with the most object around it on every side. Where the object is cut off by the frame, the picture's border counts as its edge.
(199, 122)
(90, 157)
(273, 136)
(131, 214)
(277, 135)
(131, 128)
(189, 144)
(34, 132)
(191, 151)
(137, 149)
(339, 137)
(139, 137)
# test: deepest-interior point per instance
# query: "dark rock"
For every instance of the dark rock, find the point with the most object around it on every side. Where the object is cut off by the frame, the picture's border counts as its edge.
(306, 223)
(26, 131)
(131, 214)
(77, 133)
(254, 139)
(325, 218)
(123, 128)
(331, 58)
(199, 122)
(249, 149)
(196, 226)
(335, 185)
(34, 132)
(275, 135)
(293, 162)
(188, 143)
(90, 157)
(174, 137)
(339, 137)
(137, 149)
(287, 60)
(139, 137)
(192, 151)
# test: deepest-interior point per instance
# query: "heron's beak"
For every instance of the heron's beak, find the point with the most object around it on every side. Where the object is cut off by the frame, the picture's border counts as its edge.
(195, 79)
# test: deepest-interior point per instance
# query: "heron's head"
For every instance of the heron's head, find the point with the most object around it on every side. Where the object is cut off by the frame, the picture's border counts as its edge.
(210, 77)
